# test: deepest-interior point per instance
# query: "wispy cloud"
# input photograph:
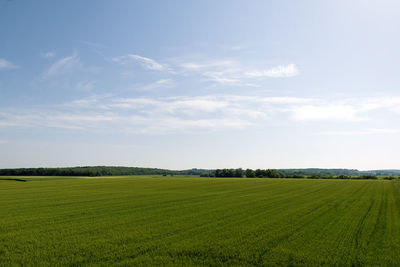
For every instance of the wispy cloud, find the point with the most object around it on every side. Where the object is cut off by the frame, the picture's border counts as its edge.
(326, 112)
(226, 64)
(86, 85)
(7, 65)
(184, 105)
(203, 113)
(94, 101)
(348, 109)
(49, 54)
(231, 72)
(220, 71)
(147, 63)
(54, 119)
(140, 115)
(69, 73)
(165, 114)
(63, 65)
(276, 72)
(223, 71)
(166, 83)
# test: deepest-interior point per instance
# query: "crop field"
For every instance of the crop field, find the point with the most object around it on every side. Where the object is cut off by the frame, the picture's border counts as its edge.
(198, 221)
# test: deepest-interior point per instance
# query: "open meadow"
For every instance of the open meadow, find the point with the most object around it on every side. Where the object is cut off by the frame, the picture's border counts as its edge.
(199, 221)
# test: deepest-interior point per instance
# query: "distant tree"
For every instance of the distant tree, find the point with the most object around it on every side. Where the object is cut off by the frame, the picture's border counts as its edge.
(228, 173)
(250, 173)
(315, 176)
(368, 177)
(271, 173)
(238, 173)
(225, 173)
(259, 173)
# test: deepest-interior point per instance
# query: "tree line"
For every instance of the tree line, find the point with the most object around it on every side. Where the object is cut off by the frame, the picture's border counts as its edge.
(260, 173)
(275, 173)
(269, 173)
(96, 171)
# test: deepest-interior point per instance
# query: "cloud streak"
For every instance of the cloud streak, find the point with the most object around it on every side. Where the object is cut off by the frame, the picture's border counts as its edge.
(146, 62)
(282, 71)
(230, 72)
(63, 65)
(219, 71)
(7, 65)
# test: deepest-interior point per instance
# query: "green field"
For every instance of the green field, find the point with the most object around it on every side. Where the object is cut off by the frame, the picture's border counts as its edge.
(199, 221)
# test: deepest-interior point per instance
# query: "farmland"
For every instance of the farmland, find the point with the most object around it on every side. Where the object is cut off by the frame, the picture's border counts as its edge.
(198, 221)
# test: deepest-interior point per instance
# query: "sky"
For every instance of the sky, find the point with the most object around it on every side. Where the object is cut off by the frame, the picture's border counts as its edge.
(200, 84)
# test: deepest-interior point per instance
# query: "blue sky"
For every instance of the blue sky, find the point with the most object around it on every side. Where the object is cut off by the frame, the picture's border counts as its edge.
(200, 84)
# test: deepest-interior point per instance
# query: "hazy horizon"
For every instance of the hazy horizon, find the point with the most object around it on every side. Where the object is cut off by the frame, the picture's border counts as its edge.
(205, 168)
(210, 84)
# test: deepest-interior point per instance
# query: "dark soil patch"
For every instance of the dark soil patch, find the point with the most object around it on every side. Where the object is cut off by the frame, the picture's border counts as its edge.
(12, 179)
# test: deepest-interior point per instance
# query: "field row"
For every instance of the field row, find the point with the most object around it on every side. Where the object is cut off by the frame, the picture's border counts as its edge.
(199, 221)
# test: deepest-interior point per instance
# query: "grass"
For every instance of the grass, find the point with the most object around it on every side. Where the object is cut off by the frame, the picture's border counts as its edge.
(199, 221)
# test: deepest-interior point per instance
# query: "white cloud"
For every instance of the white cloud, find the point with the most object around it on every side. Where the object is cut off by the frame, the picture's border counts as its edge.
(276, 72)
(325, 112)
(183, 105)
(348, 109)
(392, 103)
(7, 65)
(148, 63)
(63, 65)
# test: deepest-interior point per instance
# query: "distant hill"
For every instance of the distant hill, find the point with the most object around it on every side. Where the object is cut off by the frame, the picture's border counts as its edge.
(337, 172)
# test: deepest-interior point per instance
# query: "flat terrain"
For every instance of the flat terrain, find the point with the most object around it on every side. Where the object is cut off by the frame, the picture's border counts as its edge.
(198, 221)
